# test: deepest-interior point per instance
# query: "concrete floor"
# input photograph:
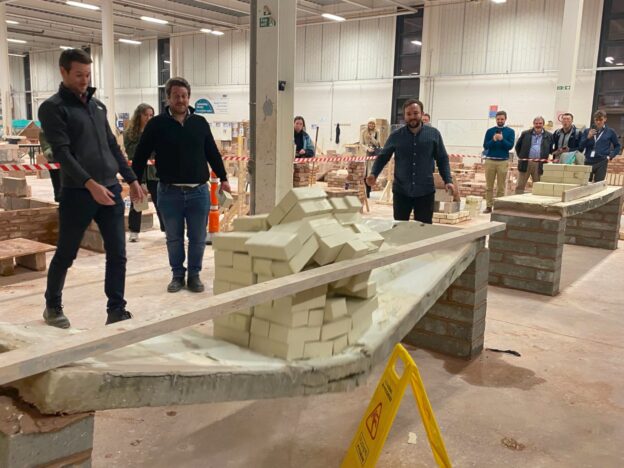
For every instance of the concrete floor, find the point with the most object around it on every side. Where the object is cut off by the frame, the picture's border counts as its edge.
(561, 404)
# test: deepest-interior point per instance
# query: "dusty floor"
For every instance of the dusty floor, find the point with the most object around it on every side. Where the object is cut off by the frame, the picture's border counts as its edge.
(561, 404)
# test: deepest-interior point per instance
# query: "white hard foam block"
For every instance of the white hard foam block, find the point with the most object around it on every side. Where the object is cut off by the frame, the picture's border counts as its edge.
(353, 249)
(307, 208)
(234, 321)
(340, 204)
(252, 223)
(329, 248)
(335, 307)
(297, 263)
(219, 286)
(224, 258)
(300, 194)
(275, 216)
(262, 266)
(355, 205)
(356, 333)
(347, 219)
(310, 299)
(352, 284)
(340, 343)
(269, 347)
(274, 245)
(318, 349)
(244, 278)
(242, 262)
(325, 226)
(289, 335)
(231, 241)
(315, 317)
(331, 330)
(260, 327)
(237, 337)
(302, 228)
(361, 310)
(283, 317)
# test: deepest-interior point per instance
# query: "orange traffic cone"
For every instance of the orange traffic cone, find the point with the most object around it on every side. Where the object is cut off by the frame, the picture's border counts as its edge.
(213, 216)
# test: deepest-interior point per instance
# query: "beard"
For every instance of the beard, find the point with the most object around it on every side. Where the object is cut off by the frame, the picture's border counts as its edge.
(413, 123)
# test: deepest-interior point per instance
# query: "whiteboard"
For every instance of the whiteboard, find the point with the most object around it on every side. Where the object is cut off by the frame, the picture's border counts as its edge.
(466, 132)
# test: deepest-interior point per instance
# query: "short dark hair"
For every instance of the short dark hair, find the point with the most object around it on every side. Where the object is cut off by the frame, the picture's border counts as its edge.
(600, 114)
(426, 115)
(409, 102)
(68, 56)
(501, 113)
(567, 113)
(300, 118)
(176, 81)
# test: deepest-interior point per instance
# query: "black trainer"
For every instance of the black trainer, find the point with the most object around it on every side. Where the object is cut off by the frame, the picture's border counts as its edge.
(55, 317)
(175, 285)
(117, 315)
(194, 284)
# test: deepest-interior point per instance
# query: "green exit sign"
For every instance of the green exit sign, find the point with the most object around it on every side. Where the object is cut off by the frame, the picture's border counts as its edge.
(563, 87)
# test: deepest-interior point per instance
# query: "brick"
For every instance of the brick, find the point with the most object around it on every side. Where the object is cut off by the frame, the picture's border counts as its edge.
(466, 332)
(245, 278)
(356, 290)
(299, 195)
(512, 270)
(458, 312)
(242, 262)
(432, 325)
(340, 343)
(276, 216)
(539, 287)
(541, 237)
(240, 338)
(283, 303)
(269, 347)
(511, 246)
(450, 346)
(318, 349)
(289, 335)
(252, 223)
(331, 330)
(274, 245)
(325, 226)
(234, 321)
(310, 299)
(264, 278)
(534, 262)
(262, 266)
(549, 251)
(234, 241)
(597, 225)
(307, 208)
(529, 223)
(259, 327)
(335, 307)
(220, 287)
(598, 243)
(284, 317)
(583, 233)
(316, 317)
(296, 264)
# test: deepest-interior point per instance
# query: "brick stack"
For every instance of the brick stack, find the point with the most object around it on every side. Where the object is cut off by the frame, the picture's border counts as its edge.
(596, 228)
(558, 178)
(616, 165)
(451, 218)
(30, 219)
(301, 175)
(357, 171)
(473, 205)
(337, 178)
(305, 230)
(15, 187)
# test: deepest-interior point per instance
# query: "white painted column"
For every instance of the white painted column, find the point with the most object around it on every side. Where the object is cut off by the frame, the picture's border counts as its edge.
(272, 57)
(568, 56)
(108, 60)
(5, 83)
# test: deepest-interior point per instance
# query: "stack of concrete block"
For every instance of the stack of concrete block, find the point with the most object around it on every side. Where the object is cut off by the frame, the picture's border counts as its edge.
(15, 187)
(305, 230)
(337, 178)
(473, 205)
(451, 218)
(558, 178)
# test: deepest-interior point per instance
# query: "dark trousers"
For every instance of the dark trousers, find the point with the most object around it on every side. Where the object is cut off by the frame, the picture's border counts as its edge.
(134, 217)
(77, 209)
(55, 177)
(599, 170)
(421, 206)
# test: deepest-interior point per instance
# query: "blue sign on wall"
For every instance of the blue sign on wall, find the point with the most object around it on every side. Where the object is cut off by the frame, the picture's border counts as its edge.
(203, 106)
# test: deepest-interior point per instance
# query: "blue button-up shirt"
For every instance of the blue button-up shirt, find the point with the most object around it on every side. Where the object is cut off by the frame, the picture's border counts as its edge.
(536, 145)
(414, 156)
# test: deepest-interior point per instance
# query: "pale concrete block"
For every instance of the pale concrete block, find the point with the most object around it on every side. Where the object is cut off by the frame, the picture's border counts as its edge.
(274, 245)
(16, 187)
(253, 223)
(340, 205)
(231, 241)
(558, 189)
(340, 343)
(331, 330)
(329, 248)
(554, 167)
(552, 177)
(234, 321)
(352, 283)
(543, 188)
(298, 261)
(260, 327)
(269, 347)
(219, 286)
(245, 278)
(368, 291)
(242, 262)
(316, 317)
(264, 278)
(307, 208)
(283, 303)
(302, 228)
(354, 203)
(310, 299)
(335, 307)
(573, 168)
(262, 266)
(348, 218)
(283, 317)
(240, 338)
(263, 310)
(353, 249)
(318, 349)
(326, 226)
(224, 258)
(276, 216)
(289, 335)
(301, 194)
(356, 333)
(360, 310)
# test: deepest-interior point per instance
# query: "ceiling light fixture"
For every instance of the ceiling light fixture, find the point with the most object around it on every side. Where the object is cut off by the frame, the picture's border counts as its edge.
(609, 60)
(149, 19)
(11, 22)
(619, 64)
(17, 55)
(167, 62)
(87, 6)
(217, 33)
(418, 43)
(499, 1)
(64, 47)
(130, 41)
(333, 17)
(206, 30)
(16, 41)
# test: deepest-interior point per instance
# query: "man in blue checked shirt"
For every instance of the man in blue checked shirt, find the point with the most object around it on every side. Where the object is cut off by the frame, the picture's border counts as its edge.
(600, 144)
(415, 147)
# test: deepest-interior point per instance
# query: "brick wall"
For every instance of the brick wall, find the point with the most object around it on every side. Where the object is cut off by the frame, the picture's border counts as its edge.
(599, 227)
(29, 218)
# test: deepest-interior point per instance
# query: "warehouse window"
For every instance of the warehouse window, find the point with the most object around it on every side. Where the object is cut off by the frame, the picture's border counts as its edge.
(27, 87)
(406, 62)
(164, 71)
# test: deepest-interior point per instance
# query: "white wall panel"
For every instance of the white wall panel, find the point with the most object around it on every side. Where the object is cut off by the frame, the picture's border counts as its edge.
(212, 60)
(475, 37)
(368, 53)
(300, 57)
(530, 25)
(313, 49)
(199, 65)
(239, 68)
(17, 83)
(590, 33)
(450, 46)
(385, 48)
(349, 34)
(225, 59)
(500, 37)
(331, 52)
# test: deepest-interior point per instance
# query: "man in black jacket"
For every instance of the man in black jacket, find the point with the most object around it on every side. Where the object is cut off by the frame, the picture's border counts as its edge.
(183, 145)
(567, 138)
(532, 148)
(76, 127)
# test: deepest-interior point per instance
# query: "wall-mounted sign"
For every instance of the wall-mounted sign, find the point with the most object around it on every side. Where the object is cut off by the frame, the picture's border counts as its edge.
(203, 106)
(492, 112)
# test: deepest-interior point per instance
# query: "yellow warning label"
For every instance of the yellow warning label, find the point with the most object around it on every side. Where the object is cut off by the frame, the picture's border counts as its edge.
(373, 430)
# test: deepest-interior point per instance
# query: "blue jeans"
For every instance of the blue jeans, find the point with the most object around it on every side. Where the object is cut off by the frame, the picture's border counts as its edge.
(77, 209)
(179, 205)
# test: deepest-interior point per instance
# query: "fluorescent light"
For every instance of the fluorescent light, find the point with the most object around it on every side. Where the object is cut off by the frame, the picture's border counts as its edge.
(609, 60)
(16, 41)
(499, 1)
(130, 41)
(332, 17)
(619, 64)
(17, 55)
(217, 33)
(11, 22)
(167, 61)
(205, 30)
(149, 19)
(88, 6)
(418, 43)
(64, 47)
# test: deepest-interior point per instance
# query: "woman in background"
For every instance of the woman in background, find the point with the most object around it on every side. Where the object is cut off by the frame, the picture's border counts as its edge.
(303, 142)
(132, 135)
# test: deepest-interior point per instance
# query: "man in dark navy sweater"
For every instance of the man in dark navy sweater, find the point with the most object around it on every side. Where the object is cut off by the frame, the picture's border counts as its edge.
(415, 147)
(600, 145)
(184, 146)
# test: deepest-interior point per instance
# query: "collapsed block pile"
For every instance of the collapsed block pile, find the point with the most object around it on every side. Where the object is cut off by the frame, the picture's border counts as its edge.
(305, 230)
(558, 178)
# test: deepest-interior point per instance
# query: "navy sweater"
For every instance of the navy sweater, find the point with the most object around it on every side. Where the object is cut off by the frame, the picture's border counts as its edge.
(499, 149)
